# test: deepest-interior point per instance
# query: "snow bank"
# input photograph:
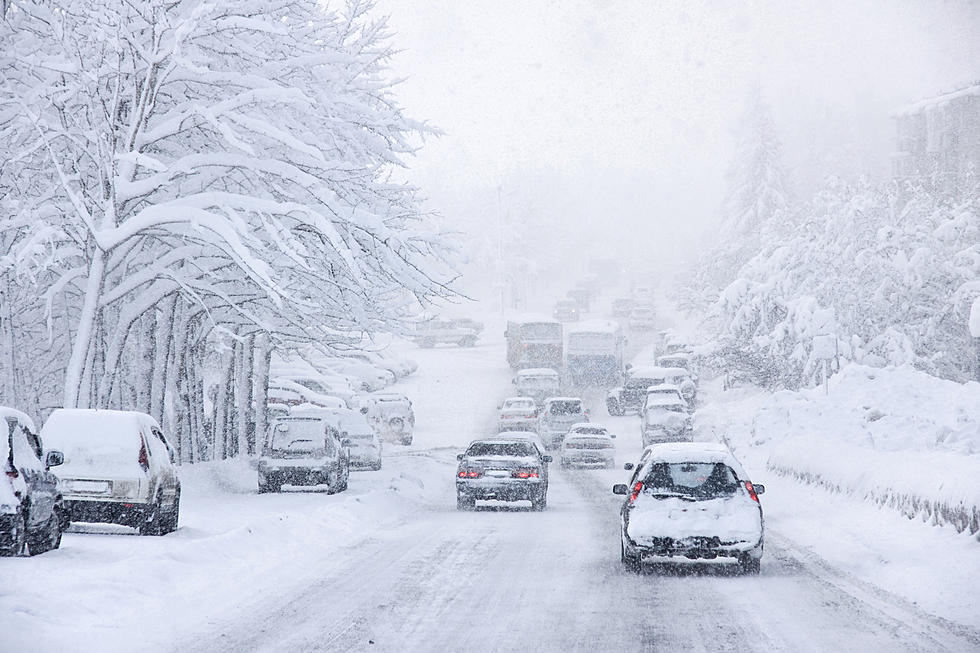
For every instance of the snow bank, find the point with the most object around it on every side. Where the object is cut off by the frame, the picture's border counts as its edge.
(896, 437)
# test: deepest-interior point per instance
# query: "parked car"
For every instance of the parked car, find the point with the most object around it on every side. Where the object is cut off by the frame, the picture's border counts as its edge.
(390, 414)
(365, 376)
(691, 500)
(665, 419)
(664, 389)
(400, 367)
(118, 468)
(557, 415)
(304, 449)
(622, 306)
(566, 310)
(328, 385)
(433, 332)
(293, 393)
(643, 317)
(538, 383)
(518, 414)
(588, 444)
(32, 510)
(365, 443)
(502, 469)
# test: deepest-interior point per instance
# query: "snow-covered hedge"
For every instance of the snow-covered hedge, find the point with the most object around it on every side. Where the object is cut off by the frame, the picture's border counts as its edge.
(894, 436)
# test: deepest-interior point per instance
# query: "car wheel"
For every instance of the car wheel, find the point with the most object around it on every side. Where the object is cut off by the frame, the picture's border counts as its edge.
(612, 407)
(750, 566)
(630, 562)
(540, 502)
(465, 501)
(19, 540)
(345, 482)
(153, 525)
(377, 465)
(47, 538)
(172, 516)
(406, 441)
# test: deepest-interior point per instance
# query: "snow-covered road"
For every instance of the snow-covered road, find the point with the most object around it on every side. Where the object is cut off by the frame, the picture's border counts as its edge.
(391, 565)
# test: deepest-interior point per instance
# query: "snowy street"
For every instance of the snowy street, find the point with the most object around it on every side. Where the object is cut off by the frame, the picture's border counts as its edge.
(391, 565)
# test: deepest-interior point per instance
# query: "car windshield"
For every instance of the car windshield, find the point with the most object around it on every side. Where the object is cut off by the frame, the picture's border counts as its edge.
(591, 430)
(570, 407)
(698, 479)
(514, 449)
(536, 381)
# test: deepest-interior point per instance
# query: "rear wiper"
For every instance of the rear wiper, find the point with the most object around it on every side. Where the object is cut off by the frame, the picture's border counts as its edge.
(669, 495)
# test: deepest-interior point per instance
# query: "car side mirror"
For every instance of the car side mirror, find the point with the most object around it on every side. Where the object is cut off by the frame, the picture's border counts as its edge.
(620, 488)
(364, 410)
(459, 456)
(628, 466)
(612, 436)
(346, 442)
(54, 458)
(759, 488)
(547, 459)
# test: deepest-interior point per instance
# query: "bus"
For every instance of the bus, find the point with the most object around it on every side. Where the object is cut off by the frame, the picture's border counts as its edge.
(534, 342)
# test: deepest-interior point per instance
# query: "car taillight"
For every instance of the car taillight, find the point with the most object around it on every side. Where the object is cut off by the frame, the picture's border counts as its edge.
(571, 445)
(13, 473)
(525, 473)
(637, 488)
(144, 460)
(469, 473)
(751, 489)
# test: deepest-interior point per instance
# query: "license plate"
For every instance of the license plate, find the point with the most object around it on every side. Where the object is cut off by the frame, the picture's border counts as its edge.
(498, 473)
(92, 487)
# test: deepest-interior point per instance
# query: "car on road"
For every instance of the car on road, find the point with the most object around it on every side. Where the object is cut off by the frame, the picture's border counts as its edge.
(365, 444)
(118, 468)
(588, 444)
(429, 333)
(664, 389)
(391, 415)
(304, 449)
(557, 415)
(693, 501)
(538, 383)
(32, 510)
(566, 310)
(502, 469)
(665, 419)
(642, 317)
(631, 395)
(518, 414)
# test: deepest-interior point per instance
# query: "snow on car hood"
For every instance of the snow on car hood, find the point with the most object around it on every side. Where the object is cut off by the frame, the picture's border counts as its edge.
(731, 519)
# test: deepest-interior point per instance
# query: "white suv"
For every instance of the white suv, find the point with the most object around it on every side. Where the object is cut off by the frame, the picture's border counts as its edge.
(118, 468)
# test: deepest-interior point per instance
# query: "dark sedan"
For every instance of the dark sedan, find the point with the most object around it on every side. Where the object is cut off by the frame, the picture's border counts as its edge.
(502, 469)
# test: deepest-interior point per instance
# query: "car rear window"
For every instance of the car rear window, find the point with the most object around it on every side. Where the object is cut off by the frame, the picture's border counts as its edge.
(300, 436)
(697, 479)
(520, 449)
(566, 407)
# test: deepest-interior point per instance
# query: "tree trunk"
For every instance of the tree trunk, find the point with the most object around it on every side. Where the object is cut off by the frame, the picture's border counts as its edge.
(84, 335)
(260, 388)
(243, 396)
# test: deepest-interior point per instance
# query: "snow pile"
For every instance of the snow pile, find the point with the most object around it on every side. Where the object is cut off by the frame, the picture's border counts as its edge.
(894, 436)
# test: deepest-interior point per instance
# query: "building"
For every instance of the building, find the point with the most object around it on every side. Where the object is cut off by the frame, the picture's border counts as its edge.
(938, 139)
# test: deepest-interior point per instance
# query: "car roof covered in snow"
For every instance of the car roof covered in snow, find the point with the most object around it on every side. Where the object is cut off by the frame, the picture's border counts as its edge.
(537, 371)
(589, 425)
(694, 452)
(67, 425)
(23, 418)
(550, 399)
(663, 389)
(594, 326)
(657, 372)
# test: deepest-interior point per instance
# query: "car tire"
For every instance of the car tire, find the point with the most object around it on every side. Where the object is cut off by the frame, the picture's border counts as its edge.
(539, 502)
(47, 538)
(345, 479)
(465, 502)
(172, 516)
(613, 408)
(630, 562)
(750, 566)
(377, 465)
(153, 525)
(17, 546)
(406, 441)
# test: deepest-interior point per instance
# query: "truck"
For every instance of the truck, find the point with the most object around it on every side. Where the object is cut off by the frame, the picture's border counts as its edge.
(534, 342)
(594, 353)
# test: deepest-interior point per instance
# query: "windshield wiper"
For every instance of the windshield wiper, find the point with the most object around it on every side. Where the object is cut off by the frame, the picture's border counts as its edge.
(669, 495)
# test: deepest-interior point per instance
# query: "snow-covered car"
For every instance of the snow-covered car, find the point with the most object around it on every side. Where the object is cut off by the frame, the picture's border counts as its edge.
(632, 394)
(665, 419)
(32, 511)
(434, 332)
(588, 443)
(390, 414)
(304, 449)
(365, 444)
(664, 389)
(642, 317)
(680, 359)
(518, 414)
(557, 415)
(691, 500)
(502, 469)
(366, 376)
(566, 310)
(292, 393)
(538, 383)
(399, 367)
(622, 306)
(118, 468)
(329, 385)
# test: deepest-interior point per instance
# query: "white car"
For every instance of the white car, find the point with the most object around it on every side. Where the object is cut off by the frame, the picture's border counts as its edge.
(118, 468)
(665, 419)
(331, 385)
(518, 414)
(390, 414)
(588, 444)
(365, 443)
(557, 415)
(367, 376)
(291, 393)
(642, 317)
(691, 500)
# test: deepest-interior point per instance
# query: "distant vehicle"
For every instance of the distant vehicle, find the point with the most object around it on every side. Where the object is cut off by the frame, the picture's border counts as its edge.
(502, 469)
(566, 310)
(631, 395)
(622, 306)
(430, 333)
(534, 342)
(665, 389)
(588, 444)
(693, 501)
(594, 353)
(518, 414)
(391, 415)
(32, 509)
(665, 419)
(582, 297)
(679, 359)
(304, 449)
(556, 416)
(321, 381)
(399, 367)
(365, 445)
(643, 294)
(294, 393)
(366, 376)
(538, 383)
(643, 317)
(118, 468)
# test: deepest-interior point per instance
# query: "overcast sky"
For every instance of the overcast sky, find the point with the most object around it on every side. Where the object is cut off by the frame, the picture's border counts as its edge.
(629, 107)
